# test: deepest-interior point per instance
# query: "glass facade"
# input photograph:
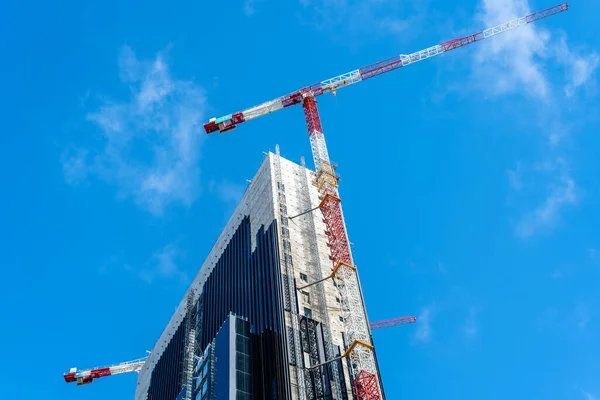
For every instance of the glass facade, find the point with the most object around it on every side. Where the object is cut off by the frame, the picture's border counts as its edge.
(204, 375)
(224, 369)
(246, 353)
(166, 375)
(247, 283)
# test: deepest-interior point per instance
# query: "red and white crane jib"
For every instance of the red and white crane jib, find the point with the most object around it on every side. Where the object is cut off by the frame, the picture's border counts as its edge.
(230, 121)
(86, 376)
(389, 323)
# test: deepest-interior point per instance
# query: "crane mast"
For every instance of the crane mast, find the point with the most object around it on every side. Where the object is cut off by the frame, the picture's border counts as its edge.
(359, 347)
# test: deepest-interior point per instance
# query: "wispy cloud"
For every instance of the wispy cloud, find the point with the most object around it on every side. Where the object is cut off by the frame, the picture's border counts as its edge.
(74, 165)
(512, 59)
(517, 62)
(514, 179)
(556, 274)
(470, 327)
(549, 316)
(580, 68)
(562, 192)
(594, 254)
(582, 314)
(149, 144)
(589, 396)
(374, 18)
(250, 6)
(227, 191)
(423, 332)
(164, 264)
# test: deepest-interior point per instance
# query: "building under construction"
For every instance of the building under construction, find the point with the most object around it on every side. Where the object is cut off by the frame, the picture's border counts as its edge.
(276, 310)
(266, 319)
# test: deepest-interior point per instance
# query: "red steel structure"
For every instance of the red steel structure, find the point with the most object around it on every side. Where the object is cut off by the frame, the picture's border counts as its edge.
(389, 323)
(359, 351)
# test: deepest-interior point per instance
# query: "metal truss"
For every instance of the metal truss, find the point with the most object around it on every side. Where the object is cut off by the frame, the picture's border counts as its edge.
(189, 346)
(359, 350)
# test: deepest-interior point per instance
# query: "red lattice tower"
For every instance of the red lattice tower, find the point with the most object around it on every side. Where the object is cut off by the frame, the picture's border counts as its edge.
(360, 350)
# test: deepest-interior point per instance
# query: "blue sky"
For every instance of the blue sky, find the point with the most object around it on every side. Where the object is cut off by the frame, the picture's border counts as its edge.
(469, 181)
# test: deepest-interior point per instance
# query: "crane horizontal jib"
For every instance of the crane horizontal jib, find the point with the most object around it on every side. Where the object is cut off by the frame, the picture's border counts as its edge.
(230, 121)
(392, 322)
(88, 375)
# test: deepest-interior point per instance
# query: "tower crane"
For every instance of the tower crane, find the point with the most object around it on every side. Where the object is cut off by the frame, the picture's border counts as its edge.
(359, 350)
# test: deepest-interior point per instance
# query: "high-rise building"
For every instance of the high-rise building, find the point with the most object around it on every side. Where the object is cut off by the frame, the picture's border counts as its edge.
(266, 320)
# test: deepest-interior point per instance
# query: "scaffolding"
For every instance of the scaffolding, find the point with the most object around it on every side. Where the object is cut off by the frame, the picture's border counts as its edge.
(289, 287)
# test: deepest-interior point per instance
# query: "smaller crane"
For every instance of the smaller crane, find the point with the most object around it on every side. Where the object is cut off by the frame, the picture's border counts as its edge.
(389, 323)
(86, 376)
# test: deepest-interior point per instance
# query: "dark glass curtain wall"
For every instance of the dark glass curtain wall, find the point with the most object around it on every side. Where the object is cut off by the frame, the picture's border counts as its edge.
(247, 284)
(165, 383)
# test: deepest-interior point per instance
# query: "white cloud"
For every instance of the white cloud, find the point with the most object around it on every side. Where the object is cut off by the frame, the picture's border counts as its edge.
(514, 180)
(511, 62)
(250, 6)
(228, 191)
(563, 192)
(549, 316)
(231, 191)
(580, 68)
(582, 314)
(150, 143)
(74, 165)
(556, 274)
(423, 331)
(523, 62)
(164, 264)
(589, 396)
(520, 61)
(471, 328)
